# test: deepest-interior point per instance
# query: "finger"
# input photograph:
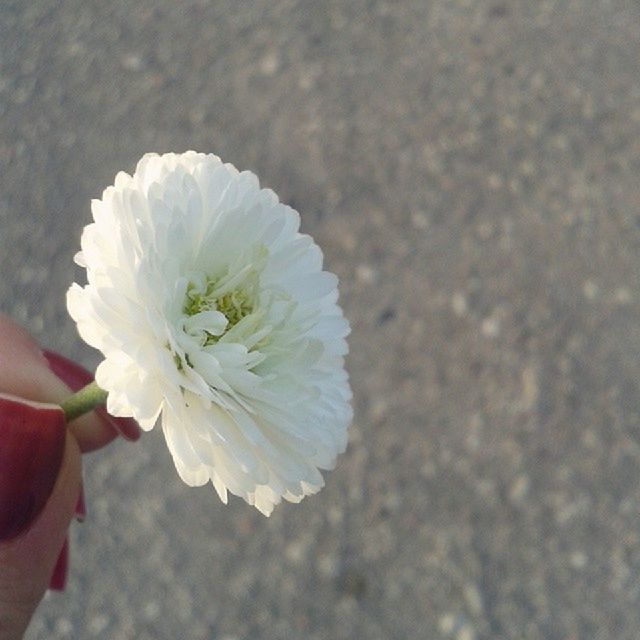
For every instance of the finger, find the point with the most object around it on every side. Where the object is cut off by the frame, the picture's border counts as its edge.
(25, 372)
(77, 377)
(29, 553)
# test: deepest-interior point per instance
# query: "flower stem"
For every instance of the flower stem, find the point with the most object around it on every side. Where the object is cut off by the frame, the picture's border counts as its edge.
(83, 401)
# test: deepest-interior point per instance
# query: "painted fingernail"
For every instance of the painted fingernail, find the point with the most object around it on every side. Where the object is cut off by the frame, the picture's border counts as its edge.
(32, 436)
(127, 427)
(76, 377)
(81, 509)
(58, 579)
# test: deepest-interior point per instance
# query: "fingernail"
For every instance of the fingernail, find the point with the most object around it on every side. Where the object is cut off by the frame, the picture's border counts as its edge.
(81, 509)
(76, 377)
(127, 427)
(58, 579)
(32, 436)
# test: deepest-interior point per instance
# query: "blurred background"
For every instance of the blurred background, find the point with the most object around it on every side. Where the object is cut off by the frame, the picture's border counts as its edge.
(470, 168)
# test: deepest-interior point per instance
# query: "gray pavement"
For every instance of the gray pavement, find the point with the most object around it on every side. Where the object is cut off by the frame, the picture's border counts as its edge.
(471, 169)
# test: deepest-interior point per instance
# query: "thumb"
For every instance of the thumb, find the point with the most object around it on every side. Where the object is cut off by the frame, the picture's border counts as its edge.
(39, 489)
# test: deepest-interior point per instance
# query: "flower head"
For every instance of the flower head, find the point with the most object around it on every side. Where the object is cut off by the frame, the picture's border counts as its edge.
(213, 312)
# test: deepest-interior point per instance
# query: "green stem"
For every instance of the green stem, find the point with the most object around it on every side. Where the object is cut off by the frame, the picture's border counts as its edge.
(83, 401)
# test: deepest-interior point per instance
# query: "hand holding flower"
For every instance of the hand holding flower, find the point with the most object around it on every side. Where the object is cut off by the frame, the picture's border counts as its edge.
(40, 480)
(215, 317)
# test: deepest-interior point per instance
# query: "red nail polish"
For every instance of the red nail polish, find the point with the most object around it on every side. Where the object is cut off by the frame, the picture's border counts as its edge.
(76, 377)
(58, 579)
(81, 509)
(127, 427)
(32, 436)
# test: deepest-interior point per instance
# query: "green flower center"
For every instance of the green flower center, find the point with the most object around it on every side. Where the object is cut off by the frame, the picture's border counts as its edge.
(234, 304)
(234, 294)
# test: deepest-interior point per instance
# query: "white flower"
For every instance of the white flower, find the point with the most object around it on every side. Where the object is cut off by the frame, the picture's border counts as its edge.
(213, 312)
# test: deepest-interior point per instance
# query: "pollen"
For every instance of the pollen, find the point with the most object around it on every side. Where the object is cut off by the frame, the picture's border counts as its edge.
(234, 305)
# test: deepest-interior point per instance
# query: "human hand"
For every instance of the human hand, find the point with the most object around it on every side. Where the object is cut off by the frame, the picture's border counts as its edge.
(40, 470)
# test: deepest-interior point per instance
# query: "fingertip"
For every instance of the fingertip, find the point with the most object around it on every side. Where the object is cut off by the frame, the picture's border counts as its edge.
(48, 376)
(15, 337)
(105, 427)
(128, 428)
(31, 455)
(31, 560)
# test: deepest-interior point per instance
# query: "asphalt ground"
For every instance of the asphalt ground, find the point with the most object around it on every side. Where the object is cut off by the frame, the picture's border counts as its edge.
(470, 168)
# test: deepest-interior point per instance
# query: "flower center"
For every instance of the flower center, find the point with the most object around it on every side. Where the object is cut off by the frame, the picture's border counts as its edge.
(234, 304)
(213, 305)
